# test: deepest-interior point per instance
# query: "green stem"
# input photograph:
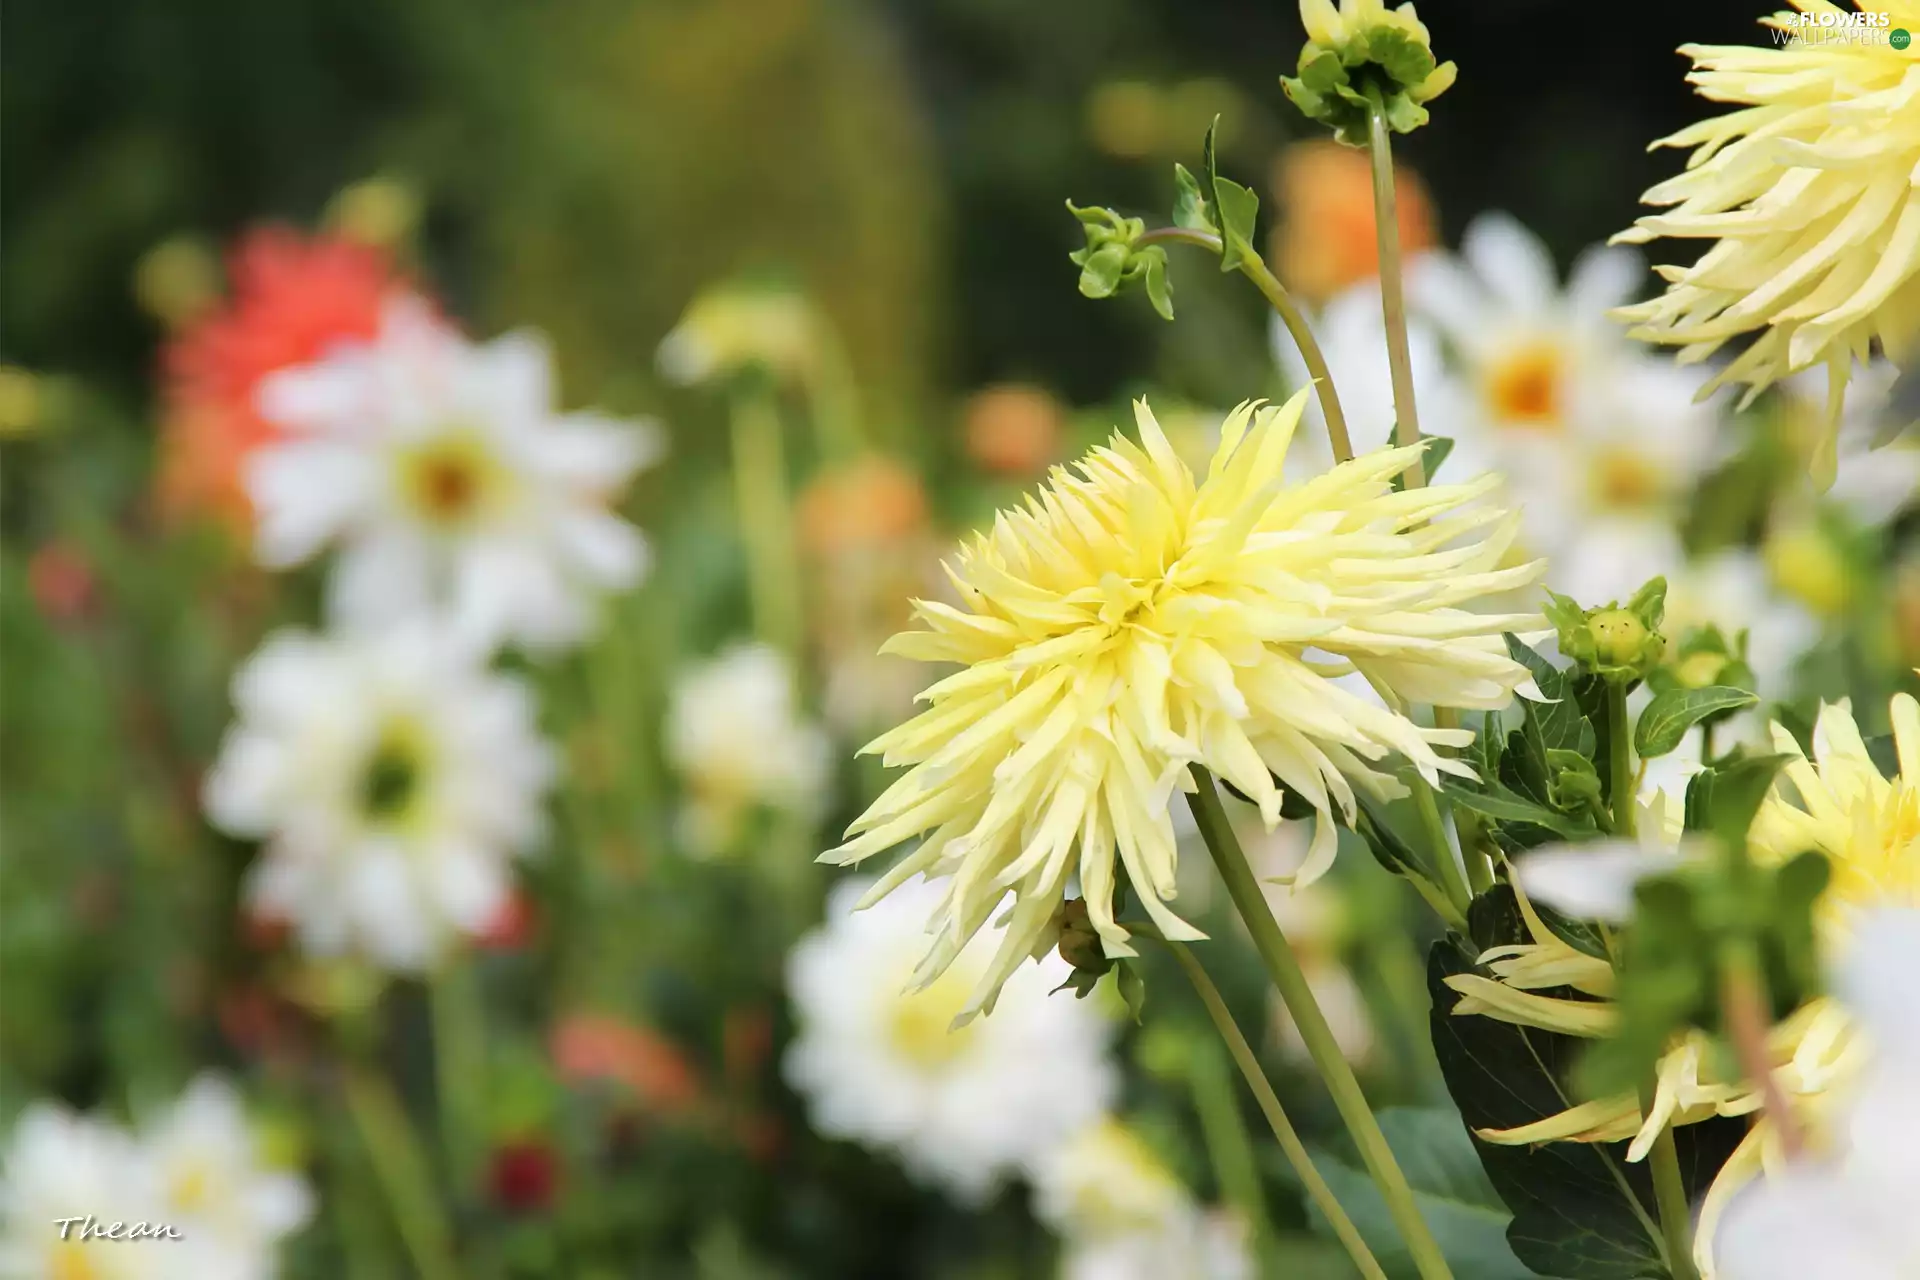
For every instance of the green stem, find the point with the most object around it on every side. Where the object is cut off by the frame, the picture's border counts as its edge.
(1745, 1009)
(765, 513)
(1428, 807)
(1621, 786)
(1283, 1131)
(459, 1054)
(1670, 1195)
(1290, 315)
(1393, 302)
(394, 1152)
(834, 399)
(1228, 1146)
(1244, 888)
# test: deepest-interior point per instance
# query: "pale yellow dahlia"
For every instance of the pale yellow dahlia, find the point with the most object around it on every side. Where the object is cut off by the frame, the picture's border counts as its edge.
(1868, 825)
(1811, 189)
(1128, 622)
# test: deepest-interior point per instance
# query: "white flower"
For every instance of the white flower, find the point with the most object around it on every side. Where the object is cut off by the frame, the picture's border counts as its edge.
(392, 778)
(232, 1209)
(1594, 880)
(963, 1108)
(62, 1165)
(1601, 441)
(444, 476)
(737, 739)
(1124, 1216)
(1854, 1215)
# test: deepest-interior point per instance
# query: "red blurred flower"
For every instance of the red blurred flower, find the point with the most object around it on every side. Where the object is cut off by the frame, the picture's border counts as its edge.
(512, 927)
(293, 298)
(596, 1047)
(523, 1175)
(61, 582)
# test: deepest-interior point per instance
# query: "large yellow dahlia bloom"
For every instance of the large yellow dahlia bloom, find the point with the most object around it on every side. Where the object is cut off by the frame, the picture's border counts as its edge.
(1868, 826)
(1811, 189)
(1129, 622)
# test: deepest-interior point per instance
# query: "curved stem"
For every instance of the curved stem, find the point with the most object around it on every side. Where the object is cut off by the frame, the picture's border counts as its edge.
(1393, 302)
(1283, 1131)
(1335, 1070)
(394, 1152)
(1290, 315)
(1428, 807)
(1670, 1196)
(1744, 1001)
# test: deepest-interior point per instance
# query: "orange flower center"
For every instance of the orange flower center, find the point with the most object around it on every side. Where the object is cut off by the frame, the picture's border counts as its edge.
(1524, 386)
(449, 480)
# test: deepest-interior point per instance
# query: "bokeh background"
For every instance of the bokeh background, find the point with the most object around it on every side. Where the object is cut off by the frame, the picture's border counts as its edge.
(882, 184)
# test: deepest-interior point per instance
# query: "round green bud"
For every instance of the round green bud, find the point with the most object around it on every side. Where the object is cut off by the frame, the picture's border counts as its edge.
(1621, 640)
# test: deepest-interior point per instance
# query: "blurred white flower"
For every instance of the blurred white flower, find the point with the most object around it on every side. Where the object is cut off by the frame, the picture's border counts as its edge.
(448, 482)
(1124, 1216)
(1595, 880)
(392, 777)
(62, 1165)
(736, 736)
(1601, 440)
(963, 1108)
(231, 1207)
(1853, 1215)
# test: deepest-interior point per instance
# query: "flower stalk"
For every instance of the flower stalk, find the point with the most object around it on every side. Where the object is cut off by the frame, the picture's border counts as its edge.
(1282, 966)
(1744, 1001)
(1283, 1131)
(393, 1149)
(765, 513)
(1393, 301)
(1670, 1197)
(1620, 781)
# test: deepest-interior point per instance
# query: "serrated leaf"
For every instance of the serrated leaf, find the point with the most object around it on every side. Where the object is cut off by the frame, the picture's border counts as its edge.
(1665, 722)
(1191, 208)
(1458, 1204)
(1562, 724)
(1580, 1210)
(1235, 209)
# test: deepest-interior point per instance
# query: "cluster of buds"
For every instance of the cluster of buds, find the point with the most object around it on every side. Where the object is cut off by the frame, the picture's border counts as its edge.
(1363, 57)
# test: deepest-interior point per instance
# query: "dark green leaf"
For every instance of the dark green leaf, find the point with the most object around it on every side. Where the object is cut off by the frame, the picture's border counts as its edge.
(1132, 987)
(1724, 799)
(1580, 1210)
(1235, 208)
(1667, 718)
(1389, 849)
(1562, 724)
(1504, 806)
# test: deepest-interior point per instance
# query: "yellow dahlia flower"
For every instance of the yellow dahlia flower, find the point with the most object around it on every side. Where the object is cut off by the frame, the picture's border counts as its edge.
(1868, 826)
(1811, 189)
(1129, 622)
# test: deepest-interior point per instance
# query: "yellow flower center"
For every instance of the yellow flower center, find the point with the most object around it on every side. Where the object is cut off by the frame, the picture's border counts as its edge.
(450, 479)
(921, 1026)
(390, 781)
(192, 1188)
(1524, 386)
(1625, 479)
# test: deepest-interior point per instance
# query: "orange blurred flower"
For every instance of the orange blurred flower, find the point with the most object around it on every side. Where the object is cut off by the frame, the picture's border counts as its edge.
(1013, 429)
(1325, 239)
(869, 502)
(588, 1047)
(292, 298)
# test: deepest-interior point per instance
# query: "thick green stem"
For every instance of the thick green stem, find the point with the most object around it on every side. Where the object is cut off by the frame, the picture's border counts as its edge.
(1428, 807)
(1393, 301)
(1283, 1131)
(1290, 315)
(1244, 888)
(1621, 784)
(394, 1152)
(459, 1051)
(765, 513)
(1745, 1009)
(1670, 1195)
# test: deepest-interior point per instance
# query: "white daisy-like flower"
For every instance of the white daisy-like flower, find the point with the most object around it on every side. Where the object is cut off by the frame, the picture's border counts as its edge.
(392, 777)
(63, 1167)
(1601, 441)
(1124, 1216)
(1851, 1215)
(736, 736)
(447, 481)
(232, 1208)
(962, 1107)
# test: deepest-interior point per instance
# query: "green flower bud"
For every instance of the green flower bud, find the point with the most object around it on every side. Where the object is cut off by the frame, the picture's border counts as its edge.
(1361, 54)
(1111, 262)
(1618, 642)
(1079, 945)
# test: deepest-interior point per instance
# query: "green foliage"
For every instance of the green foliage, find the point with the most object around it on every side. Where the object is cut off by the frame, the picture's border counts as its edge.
(1459, 1204)
(1667, 718)
(1111, 263)
(1580, 1210)
(1703, 659)
(1235, 209)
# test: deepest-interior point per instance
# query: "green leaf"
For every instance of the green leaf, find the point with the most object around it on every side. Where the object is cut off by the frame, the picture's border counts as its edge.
(1580, 1210)
(1236, 209)
(1459, 1204)
(1159, 293)
(1132, 988)
(1724, 798)
(1191, 208)
(1501, 805)
(1668, 717)
(1389, 849)
(1438, 447)
(1562, 724)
